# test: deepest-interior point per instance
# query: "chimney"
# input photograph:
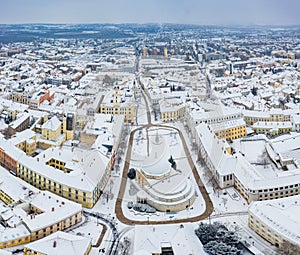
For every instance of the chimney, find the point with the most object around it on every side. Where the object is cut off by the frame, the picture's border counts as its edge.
(54, 244)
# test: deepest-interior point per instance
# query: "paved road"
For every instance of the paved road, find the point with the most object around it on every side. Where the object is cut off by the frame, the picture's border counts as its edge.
(146, 102)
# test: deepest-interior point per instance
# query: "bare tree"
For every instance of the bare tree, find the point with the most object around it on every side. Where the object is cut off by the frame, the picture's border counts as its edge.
(224, 201)
(209, 177)
(288, 248)
(263, 159)
(108, 80)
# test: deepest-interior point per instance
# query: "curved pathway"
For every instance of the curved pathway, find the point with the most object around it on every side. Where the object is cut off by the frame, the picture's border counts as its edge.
(118, 208)
(100, 239)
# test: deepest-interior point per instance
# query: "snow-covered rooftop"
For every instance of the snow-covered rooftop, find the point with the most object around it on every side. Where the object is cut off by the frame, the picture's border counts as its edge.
(280, 215)
(61, 243)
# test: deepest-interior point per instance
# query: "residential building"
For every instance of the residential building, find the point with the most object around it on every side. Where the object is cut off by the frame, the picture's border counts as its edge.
(295, 122)
(59, 243)
(39, 97)
(166, 239)
(272, 128)
(171, 109)
(120, 101)
(229, 130)
(29, 214)
(55, 131)
(216, 155)
(21, 123)
(21, 97)
(276, 221)
(25, 141)
(84, 185)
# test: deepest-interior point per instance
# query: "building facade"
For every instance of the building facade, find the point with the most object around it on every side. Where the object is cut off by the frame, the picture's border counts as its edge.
(276, 221)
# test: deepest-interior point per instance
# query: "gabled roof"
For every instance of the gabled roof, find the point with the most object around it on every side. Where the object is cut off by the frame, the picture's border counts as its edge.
(52, 124)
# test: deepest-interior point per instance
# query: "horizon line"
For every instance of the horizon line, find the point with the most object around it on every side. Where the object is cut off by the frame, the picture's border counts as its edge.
(151, 23)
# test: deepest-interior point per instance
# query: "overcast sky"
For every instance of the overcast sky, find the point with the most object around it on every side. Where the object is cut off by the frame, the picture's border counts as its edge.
(214, 12)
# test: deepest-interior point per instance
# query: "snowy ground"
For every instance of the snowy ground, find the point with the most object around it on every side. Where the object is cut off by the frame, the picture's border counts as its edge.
(91, 229)
(106, 244)
(171, 142)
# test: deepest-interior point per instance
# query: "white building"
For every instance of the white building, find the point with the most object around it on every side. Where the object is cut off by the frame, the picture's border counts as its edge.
(157, 239)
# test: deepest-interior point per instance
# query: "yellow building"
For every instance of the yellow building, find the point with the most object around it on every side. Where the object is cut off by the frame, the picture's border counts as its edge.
(30, 147)
(171, 109)
(54, 132)
(51, 129)
(10, 242)
(59, 243)
(229, 130)
(20, 97)
(127, 110)
(251, 117)
(25, 141)
(277, 220)
(145, 51)
(118, 103)
(90, 172)
(42, 213)
(5, 197)
(165, 52)
(12, 109)
(275, 115)
(272, 128)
